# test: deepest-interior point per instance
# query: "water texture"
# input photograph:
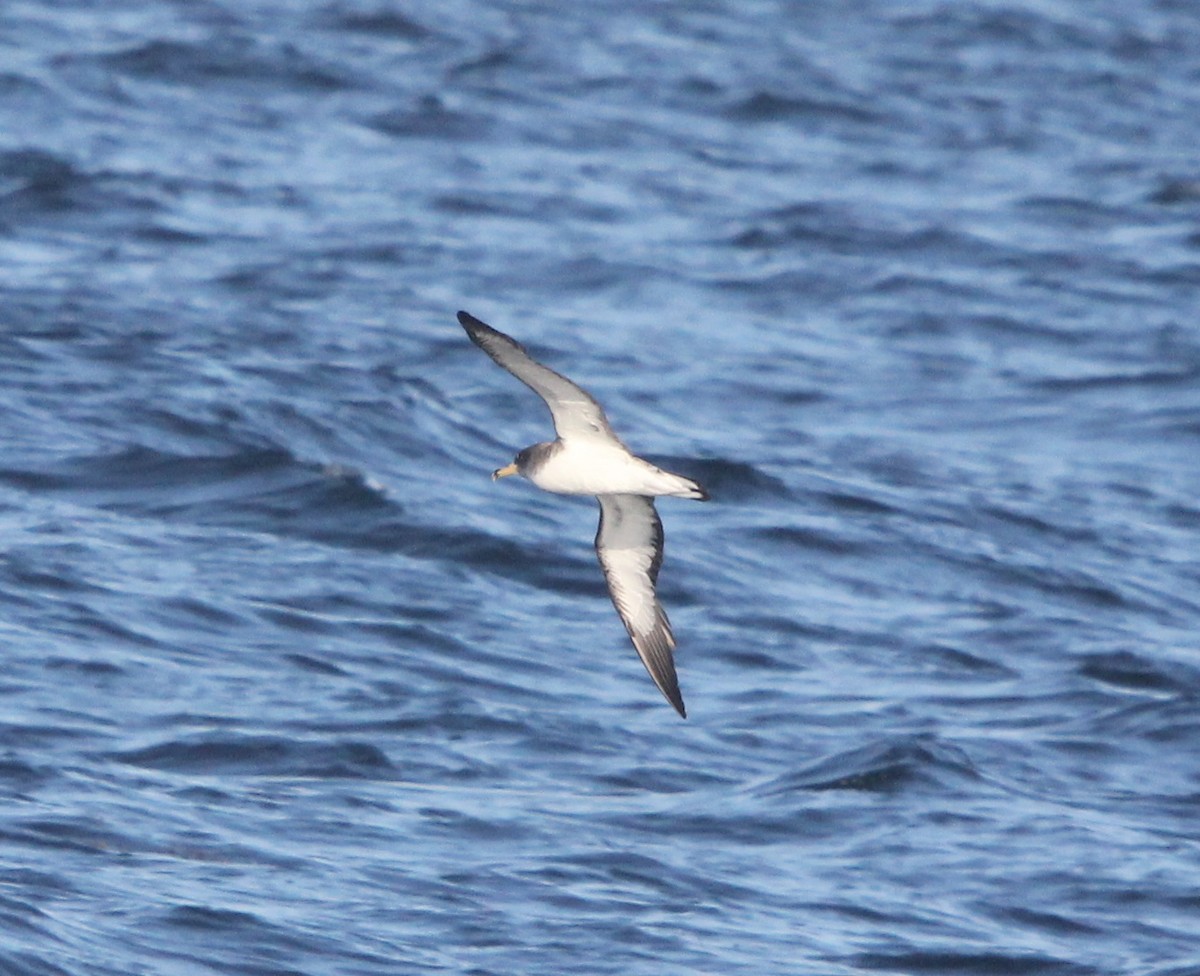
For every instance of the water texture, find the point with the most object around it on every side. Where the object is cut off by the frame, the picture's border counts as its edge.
(290, 687)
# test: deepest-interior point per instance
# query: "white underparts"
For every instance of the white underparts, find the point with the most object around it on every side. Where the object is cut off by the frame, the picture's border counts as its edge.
(584, 467)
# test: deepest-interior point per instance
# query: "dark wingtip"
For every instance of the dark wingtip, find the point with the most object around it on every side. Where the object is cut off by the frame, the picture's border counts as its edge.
(672, 694)
(476, 329)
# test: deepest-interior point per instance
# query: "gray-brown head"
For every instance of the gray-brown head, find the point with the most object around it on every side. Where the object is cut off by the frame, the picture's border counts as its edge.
(526, 459)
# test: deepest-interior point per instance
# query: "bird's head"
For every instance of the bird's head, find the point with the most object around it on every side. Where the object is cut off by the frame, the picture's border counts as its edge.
(517, 466)
(526, 460)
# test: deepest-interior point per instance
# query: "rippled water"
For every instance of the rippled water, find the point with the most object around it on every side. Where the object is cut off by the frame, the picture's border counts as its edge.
(291, 687)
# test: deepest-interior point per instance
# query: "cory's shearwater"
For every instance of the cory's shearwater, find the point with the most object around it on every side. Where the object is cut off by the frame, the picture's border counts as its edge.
(587, 458)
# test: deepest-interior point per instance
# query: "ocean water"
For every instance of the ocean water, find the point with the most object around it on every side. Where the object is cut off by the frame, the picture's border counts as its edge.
(289, 686)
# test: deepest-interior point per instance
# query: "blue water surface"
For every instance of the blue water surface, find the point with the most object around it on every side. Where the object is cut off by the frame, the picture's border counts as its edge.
(290, 687)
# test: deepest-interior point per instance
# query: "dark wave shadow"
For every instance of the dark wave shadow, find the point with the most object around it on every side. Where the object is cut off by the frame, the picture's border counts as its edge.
(887, 766)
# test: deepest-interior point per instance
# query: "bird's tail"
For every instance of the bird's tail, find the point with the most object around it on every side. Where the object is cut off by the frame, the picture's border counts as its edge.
(682, 487)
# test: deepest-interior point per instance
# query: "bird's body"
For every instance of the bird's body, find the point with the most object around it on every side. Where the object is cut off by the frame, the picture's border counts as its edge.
(587, 458)
(596, 466)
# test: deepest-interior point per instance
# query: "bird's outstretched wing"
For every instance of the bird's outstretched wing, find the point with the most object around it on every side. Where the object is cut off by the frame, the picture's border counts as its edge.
(576, 413)
(629, 543)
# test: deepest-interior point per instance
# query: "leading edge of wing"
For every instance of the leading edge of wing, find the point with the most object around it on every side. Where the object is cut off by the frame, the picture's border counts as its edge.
(573, 409)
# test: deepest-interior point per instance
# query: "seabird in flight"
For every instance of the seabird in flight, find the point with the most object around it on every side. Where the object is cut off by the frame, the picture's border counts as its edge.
(587, 458)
